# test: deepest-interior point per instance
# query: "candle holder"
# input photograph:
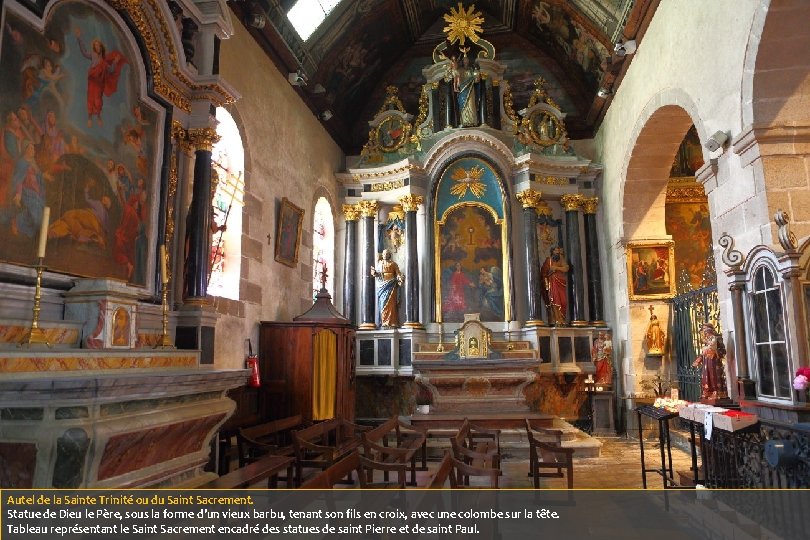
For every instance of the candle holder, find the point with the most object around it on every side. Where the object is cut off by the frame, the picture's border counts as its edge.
(509, 345)
(165, 342)
(35, 335)
(440, 348)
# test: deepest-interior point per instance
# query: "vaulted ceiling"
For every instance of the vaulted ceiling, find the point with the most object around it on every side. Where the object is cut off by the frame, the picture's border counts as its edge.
(365, 45)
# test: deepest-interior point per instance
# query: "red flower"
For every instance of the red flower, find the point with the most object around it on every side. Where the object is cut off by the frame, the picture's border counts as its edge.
(803, 371)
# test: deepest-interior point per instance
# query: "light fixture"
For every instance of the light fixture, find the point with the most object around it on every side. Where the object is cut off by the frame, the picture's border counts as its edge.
(603, 93)
(297, 78)
(625, 48)
(716, 141)
(325, 115)
(256, 20)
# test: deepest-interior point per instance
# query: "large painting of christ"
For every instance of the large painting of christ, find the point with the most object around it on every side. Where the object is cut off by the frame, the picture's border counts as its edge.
(78, 136)
(470, 254)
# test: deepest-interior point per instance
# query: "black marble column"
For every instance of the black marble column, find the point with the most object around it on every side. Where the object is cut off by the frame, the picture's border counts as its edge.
(410, 203)
(352, 213)
(595, 300)
(198, 228)
(576, 299)
(368, 209)
(530, 200)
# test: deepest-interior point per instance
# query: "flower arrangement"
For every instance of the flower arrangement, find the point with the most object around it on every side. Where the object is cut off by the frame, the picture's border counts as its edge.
(802, 380)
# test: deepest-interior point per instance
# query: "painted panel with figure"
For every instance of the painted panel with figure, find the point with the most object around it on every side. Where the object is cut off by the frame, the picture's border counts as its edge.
(79, 136)
(691, 229)
(471, 264)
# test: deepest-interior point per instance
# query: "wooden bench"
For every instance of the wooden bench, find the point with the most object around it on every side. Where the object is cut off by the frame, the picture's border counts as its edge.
(269, 438)
(362, 467)
(443, 473)
(549, 454)
(477, 447)
(266, 467)
(408, 439)
(321, 445)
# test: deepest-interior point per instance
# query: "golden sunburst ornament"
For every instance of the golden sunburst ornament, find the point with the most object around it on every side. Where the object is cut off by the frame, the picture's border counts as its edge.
(468, 180)
(463, 25)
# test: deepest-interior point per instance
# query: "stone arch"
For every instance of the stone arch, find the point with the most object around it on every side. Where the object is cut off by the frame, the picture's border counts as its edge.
(776, 70)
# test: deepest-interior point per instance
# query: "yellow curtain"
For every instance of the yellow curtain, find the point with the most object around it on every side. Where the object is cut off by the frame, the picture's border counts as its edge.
(324, 375)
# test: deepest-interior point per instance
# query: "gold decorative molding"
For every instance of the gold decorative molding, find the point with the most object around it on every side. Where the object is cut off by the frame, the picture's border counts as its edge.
(543, 209)
(351, 212)
(590, 204)
(368, 209)
(170, 202)
(359, 177)
(571, 202)
(387, 186)
(203, 138)
(411, 202)
(529, 198)
(509, 106)
(684, 193)
(463, 24)
(551, 180)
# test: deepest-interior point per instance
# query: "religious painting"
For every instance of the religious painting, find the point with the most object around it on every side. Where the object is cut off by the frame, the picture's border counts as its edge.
(120, 328)
(288, 233)
(690, 226)
(80, 136)
(471, 264)
(650, 270)
(689, 157)
(392, 133)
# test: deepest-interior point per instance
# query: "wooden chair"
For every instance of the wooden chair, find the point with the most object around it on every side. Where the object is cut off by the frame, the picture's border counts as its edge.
(549, 455)
(268, 438)
(465, 471)
(361, 466)
(444, 472)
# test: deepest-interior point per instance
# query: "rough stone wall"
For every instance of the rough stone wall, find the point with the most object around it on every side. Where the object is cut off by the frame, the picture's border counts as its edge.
(692, 56)
(287, 154)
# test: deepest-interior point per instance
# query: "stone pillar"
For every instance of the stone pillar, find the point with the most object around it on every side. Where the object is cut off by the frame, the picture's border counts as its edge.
(576, 301)
(368, 209)
(530, 200)
(410, 203)
(595, 300)
(746, 388)
(352, 213)
(198, 229)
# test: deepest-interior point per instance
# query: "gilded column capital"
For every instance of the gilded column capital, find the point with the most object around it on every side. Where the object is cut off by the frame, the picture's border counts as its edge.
(543, 209)
(411, 202)
(571, 202)
(529, 198)
(590, 204)
(351, 212)
(180, 136)
(368, 208)
(202, 138)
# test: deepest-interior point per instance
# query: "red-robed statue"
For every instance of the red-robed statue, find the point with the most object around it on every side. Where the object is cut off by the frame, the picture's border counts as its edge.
(710, 360)
(554, 275)
(102, 75)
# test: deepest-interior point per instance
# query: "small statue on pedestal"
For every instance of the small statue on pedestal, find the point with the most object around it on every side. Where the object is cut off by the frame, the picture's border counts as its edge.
(656, 338)
(390, 278)
(710, 360)
(602, 355)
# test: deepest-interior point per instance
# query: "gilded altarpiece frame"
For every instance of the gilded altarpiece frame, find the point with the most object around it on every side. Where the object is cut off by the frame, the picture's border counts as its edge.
(471, 244)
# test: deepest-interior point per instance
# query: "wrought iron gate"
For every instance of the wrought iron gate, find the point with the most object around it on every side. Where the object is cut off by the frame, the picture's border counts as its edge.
(693, 307)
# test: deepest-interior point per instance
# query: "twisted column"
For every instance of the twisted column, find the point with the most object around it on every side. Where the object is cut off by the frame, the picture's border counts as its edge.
(576, 303)
(368, 210)
(531, 201)
(410, 203)
(351, 212)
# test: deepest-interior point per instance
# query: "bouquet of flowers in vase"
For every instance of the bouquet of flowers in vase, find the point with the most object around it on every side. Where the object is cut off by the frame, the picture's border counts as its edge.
(802, 380)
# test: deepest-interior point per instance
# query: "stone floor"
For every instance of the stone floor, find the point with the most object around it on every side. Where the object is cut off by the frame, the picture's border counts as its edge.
(619, 466)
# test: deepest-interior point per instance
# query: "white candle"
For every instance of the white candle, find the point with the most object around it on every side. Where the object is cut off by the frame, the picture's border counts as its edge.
(164, 273)
(43, 231)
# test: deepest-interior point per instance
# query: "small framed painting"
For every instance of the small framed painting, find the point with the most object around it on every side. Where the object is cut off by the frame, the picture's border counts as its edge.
(288, 233)
(651, 270)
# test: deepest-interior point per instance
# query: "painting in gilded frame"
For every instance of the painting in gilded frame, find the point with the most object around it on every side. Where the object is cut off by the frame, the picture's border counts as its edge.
(80, 136)
(288, 233)
(471, 263)
(650, 270)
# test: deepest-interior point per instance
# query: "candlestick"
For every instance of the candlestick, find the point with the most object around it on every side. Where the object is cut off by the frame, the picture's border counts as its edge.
(35, 334)
(440, 348)
(165, 341)
(43, 232)
(164, 272)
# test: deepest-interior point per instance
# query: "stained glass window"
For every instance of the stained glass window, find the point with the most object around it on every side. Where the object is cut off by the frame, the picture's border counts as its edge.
(323, 246)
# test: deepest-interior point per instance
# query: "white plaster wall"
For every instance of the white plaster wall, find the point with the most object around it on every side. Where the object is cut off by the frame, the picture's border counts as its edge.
(692, 55)
(288, 154)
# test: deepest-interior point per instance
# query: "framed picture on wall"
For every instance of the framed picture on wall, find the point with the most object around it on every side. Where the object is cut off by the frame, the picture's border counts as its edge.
(651, 269)
(288, 233)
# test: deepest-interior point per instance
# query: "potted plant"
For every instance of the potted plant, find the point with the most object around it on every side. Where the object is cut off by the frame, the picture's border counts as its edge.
(423, 401)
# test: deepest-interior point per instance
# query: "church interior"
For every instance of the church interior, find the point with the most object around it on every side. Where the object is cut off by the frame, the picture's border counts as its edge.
(248, 236)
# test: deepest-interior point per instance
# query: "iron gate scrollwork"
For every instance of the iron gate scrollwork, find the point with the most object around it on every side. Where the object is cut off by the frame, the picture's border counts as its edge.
(693, 307)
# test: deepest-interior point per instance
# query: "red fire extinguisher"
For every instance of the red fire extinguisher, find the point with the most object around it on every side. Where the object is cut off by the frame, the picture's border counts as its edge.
(252, 363)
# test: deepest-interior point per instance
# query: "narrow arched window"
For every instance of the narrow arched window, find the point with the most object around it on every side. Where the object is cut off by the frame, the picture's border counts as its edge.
(770, 349)
(323, 246)
(226, 243)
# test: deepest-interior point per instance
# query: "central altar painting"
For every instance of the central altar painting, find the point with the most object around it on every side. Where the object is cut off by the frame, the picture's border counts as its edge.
(470, 236)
